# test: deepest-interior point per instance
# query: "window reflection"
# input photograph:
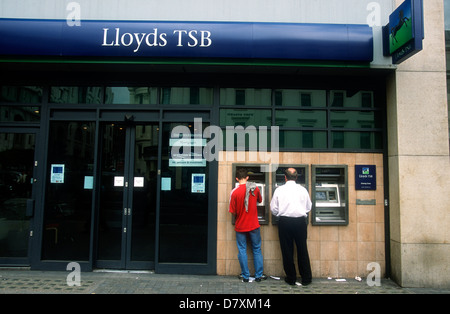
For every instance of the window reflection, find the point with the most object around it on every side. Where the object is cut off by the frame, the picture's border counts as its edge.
(356, 119)
(19, 114)
(22, 94)
(186, 96)
(303, 139)
(306, 118)
(244, 117)
(131, 95)
(76, 95)
(354, 99)
(245, 97)
(301, 118)
(356, 140)
(300, 98)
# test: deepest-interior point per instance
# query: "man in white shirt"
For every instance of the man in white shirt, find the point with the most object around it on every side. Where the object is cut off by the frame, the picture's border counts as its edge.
(291, 203)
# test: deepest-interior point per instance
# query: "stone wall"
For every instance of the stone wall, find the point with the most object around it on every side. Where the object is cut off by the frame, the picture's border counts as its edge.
(335, 251)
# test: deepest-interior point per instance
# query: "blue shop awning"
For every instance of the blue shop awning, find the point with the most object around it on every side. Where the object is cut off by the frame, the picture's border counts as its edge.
(161, 39)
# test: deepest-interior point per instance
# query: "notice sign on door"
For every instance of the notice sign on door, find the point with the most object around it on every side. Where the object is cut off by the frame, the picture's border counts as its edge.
(166, 184)
(198, 183)
(57, 173)
(181, 154)
(365, 177)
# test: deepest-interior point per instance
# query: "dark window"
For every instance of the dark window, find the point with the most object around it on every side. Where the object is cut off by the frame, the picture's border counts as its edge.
(351, 121)
(76, 95)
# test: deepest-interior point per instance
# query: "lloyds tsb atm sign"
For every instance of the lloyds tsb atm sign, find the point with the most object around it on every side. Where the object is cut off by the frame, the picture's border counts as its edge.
(403, 36)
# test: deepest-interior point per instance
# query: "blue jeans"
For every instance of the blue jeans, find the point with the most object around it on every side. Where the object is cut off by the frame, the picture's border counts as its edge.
(241, 240)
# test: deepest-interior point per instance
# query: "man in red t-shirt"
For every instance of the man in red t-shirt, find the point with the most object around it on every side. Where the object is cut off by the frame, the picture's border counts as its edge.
(243, 201)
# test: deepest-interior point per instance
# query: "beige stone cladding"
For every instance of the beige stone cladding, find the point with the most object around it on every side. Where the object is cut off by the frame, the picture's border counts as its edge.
(335, 251)
(419, 167)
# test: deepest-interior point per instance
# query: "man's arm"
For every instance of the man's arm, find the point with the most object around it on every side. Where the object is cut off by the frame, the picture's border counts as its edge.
(232, 207)
(274, 203)
(259, 197)
(308, 202)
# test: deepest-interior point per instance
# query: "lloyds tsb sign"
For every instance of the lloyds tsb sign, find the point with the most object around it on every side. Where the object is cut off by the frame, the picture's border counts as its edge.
(164, 39)
(156, 38)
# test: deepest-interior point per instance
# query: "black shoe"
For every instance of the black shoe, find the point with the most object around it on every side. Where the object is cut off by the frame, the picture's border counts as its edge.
(263, 277)
(291, 283)
(306, 283)
(245, 280)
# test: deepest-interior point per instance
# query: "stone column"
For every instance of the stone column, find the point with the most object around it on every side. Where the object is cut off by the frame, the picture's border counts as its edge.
(419, 163)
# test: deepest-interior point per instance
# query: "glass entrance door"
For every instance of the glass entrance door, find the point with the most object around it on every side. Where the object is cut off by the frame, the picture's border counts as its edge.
(17, 166)
(183, 218)
(69, 192)
(127, 195)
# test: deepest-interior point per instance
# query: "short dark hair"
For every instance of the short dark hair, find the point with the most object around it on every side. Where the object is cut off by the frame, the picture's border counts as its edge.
(241, 173)
(291, 174)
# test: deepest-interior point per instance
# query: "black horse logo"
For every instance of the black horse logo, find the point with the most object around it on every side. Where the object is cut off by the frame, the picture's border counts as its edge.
(401, 21)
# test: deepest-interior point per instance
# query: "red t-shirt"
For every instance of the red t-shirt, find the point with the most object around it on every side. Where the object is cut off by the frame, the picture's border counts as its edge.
(245, 221)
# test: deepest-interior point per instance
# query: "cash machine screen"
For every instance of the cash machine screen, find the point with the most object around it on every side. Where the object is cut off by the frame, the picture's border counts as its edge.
(327, 195)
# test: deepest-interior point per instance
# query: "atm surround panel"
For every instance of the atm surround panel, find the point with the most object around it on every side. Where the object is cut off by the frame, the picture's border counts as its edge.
(329, 190)
(262, 181)
(329, 195)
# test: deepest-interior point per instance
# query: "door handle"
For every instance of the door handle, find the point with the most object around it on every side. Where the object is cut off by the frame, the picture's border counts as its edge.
(127, 211)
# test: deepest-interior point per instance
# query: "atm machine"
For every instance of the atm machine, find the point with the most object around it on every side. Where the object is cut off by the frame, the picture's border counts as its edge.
(262, 182)
(278, 180)
(329, 195)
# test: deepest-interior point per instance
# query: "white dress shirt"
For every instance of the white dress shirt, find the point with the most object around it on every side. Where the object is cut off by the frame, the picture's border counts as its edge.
(290, 200)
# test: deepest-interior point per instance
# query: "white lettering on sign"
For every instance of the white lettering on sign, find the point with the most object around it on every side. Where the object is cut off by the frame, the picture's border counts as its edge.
(192, 41)
(189, 38)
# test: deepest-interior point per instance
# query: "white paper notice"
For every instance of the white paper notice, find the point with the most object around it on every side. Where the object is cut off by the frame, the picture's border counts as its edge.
(118, 181)
(88, 182)
(138, 182)
(166, 184)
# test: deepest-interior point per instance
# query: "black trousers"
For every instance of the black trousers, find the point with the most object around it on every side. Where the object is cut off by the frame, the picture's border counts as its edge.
(292, 230)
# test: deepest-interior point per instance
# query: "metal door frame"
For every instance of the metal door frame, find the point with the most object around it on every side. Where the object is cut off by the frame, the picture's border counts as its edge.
(35, 193)
(125, 261)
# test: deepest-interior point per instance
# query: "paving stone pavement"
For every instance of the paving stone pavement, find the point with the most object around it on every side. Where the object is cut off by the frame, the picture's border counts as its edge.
(56, 282)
